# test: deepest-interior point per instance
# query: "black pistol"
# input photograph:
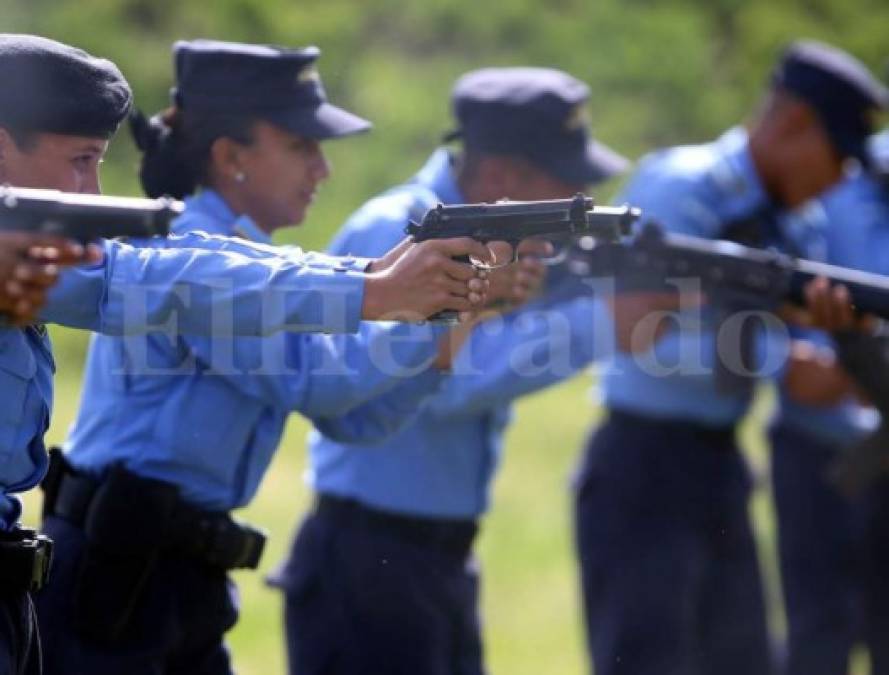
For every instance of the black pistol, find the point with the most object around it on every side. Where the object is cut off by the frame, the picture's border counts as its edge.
(560, 221)
(85, 218)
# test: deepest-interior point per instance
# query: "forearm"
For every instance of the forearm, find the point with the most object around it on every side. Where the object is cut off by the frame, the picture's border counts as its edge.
(525, 352)
(385, 415)
(348, 371)
(204, 292)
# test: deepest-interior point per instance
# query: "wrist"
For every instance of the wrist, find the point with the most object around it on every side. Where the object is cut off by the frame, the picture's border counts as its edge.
(373, 303)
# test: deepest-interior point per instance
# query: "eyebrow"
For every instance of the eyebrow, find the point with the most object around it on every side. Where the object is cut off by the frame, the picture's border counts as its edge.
(94, 148)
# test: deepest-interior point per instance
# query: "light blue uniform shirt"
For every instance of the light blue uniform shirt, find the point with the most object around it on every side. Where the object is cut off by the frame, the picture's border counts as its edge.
(695, 190)
(133, 288)
(442, 462)
(207, 413)
(856, 217)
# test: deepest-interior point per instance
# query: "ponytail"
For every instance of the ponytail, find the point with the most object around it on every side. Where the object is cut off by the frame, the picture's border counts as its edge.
(176, 148)
(163, 170)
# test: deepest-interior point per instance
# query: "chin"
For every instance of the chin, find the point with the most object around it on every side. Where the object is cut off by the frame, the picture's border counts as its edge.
(296, 220)
(297, 216)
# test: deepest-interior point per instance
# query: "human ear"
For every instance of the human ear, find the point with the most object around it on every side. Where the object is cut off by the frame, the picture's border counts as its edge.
(226, 159)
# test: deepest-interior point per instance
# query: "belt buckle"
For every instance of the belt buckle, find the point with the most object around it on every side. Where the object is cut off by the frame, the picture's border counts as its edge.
(41, 548)
(30, 559)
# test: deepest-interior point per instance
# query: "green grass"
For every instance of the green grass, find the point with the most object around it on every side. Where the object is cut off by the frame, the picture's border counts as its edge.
(530, 603)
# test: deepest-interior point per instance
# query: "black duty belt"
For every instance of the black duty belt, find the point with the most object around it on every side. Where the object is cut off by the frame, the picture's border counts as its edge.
(721, 436)
(213, 537)
(25, 559)
(452, 536)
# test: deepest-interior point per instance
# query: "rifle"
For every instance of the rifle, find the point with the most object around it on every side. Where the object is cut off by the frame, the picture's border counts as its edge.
(866, 359)
(556, 220)
(761, 278)
(85, 218)
(732, 276)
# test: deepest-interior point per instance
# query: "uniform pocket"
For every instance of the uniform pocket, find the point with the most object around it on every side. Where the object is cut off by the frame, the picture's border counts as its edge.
(18, 368)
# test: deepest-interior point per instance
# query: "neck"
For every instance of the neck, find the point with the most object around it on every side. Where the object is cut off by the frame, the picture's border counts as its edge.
(239, 207)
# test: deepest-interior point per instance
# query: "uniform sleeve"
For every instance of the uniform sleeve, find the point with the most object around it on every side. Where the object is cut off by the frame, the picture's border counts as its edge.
(525, 352)
(320, 375)
(256, 250)
(205, 292)
(324, 376)
(383, 416)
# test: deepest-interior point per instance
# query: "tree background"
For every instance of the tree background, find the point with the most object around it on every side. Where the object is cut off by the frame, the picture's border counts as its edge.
(661, 72)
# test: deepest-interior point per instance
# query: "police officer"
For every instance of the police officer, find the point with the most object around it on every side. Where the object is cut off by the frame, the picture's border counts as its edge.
(832, 550)
(139, 509)
(669, 570)
(58, 106)
(381, 577)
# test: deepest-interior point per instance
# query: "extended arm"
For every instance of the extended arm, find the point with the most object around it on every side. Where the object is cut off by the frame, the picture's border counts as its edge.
(317, 375)
(525, 352)
(136, 290)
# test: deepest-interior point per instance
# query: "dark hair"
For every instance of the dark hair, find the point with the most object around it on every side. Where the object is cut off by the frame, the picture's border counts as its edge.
(24, 139)
(176, 145)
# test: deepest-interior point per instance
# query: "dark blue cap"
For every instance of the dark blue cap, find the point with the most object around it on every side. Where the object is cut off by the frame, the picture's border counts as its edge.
(839, 88)
(276, 84)
(878, 151)
(536, 113)
(52, 87)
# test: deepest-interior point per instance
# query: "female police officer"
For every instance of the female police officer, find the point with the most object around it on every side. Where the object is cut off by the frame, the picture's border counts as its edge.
(175, 431)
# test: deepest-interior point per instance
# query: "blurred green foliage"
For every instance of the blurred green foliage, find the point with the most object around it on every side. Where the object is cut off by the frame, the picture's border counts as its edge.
(662, 72)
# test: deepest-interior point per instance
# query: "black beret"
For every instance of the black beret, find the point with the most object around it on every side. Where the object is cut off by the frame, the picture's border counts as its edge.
(839, 88)
(277, 84)
(52, 87)
(536, 113)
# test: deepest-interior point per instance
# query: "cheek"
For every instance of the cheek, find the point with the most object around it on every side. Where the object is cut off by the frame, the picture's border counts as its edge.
(824, 165)
(830, 171)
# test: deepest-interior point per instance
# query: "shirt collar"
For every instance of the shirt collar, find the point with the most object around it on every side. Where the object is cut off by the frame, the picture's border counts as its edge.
(438, 175)
(217, 217)
(735, 174)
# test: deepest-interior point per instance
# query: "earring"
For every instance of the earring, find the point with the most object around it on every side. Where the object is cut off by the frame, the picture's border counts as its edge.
(240, 177)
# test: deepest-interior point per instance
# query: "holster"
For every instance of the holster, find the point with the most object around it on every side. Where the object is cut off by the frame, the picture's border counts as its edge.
(129, 522)
(125, 526)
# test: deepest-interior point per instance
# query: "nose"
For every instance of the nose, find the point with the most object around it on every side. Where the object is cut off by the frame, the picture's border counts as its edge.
(320, 165)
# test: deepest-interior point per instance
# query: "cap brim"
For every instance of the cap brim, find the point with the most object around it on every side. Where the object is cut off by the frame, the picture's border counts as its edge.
(596, 164)
(321, 123)
(852, 145)
(605, 162)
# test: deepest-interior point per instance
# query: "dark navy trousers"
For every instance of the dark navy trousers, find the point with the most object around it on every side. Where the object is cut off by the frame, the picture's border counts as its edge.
(19, 638)
(177, 627)
(669, 571)
(834, 556)
(364, 600)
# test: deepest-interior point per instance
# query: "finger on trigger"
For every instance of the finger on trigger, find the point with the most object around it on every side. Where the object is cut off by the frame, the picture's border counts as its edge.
(458, 270)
